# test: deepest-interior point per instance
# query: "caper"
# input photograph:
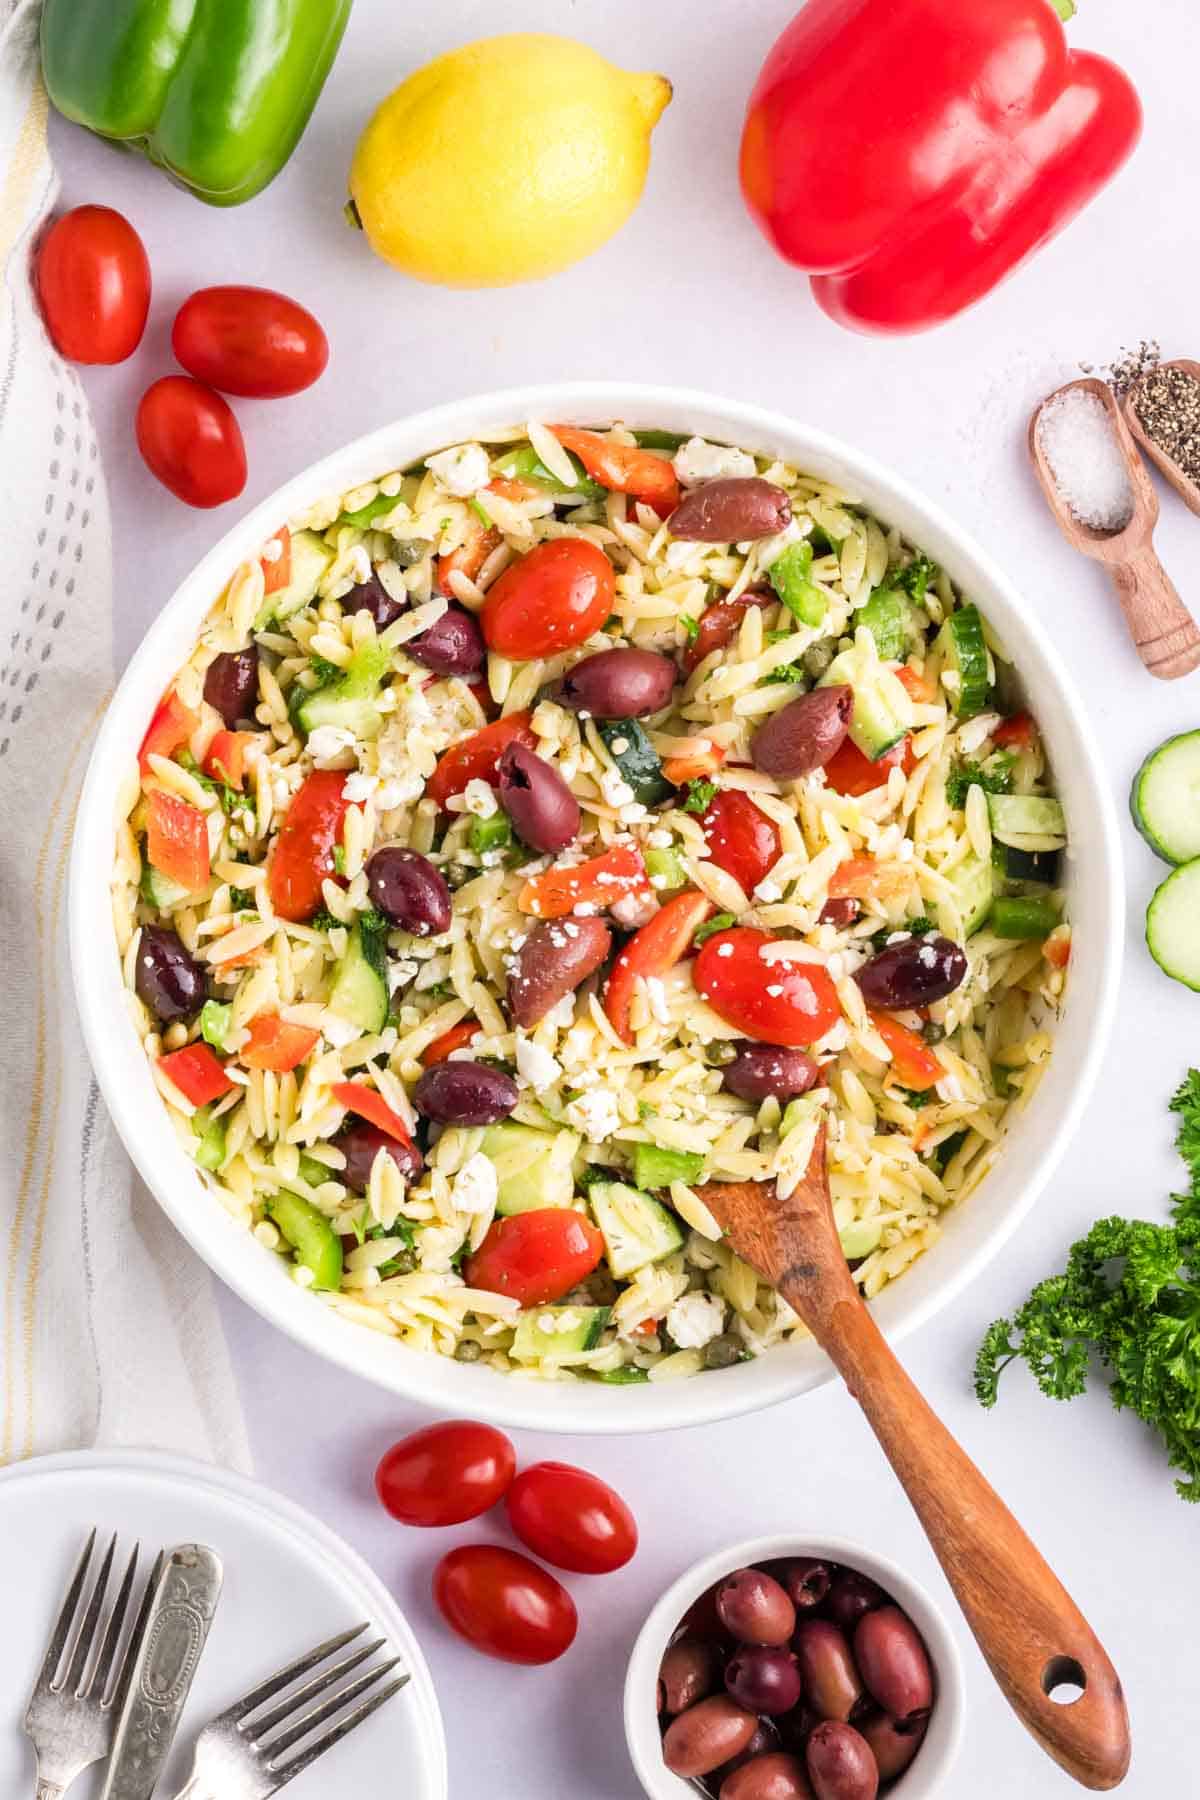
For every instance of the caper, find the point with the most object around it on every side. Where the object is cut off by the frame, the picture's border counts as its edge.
(816, 660)
(467, 1350)
(720, 1054)
(458, 874)
(722, 1352)
(932, 1032)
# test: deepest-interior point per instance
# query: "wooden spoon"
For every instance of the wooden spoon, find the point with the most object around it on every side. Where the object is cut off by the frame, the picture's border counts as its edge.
(1184, 486)
(1162, 628)
(1030, 1631)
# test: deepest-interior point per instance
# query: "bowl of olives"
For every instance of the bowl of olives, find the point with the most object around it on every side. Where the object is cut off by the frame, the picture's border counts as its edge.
(794, 1669)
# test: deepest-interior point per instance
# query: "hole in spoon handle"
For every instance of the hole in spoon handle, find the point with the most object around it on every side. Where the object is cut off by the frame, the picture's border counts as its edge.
(1165, 634)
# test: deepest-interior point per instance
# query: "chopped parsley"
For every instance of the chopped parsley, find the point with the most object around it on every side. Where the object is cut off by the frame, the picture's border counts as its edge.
(718, 922)
(994, 776)
(920, 926)
(230, 799)
(914, 578)
(691, 627)
(791, 674)
(324, 670)
(917, 1097)
(324, 920)
(698, 795)
(240, 899)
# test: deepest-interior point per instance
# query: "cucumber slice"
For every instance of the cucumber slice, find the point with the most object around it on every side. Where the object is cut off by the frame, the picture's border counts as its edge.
(1019, 816)
(860, 1238)
(311, 557)
(636, 759)
(636, 1229)
(1171, 928)
(890, 619)
(533, 1168)
(548, 1333)
(360, 986)
(882, 714)
(350, 701)
(974, 889)
(1166, 798)
(159, 891)
(964, 649)
(657, 1168)
(316, 1244)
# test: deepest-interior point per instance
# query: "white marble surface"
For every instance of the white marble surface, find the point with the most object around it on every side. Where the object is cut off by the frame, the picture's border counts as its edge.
(689, 293)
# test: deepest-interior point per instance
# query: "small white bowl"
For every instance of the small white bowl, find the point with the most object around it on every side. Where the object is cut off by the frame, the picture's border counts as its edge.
(925, 1776)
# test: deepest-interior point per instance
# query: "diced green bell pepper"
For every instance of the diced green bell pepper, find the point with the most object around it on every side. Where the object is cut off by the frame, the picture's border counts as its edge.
(316, 1244)
(524, 464)
(210, 1150)
(216, 92)
(654, 1167)
(791, 577)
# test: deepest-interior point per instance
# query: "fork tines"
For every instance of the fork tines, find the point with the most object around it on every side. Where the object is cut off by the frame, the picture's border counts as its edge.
(80, 1659)
(320, 1701)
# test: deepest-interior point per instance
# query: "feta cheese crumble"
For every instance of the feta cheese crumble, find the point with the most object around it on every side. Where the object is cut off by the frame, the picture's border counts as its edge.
(462, 470)
(595, 1114)
(698, 460)
(695, 1320)
(536, 1066)
(476, 1185)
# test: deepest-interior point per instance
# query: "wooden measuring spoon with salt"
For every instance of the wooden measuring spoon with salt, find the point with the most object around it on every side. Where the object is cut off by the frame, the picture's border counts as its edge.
(1163, 630)
(1032, 1634)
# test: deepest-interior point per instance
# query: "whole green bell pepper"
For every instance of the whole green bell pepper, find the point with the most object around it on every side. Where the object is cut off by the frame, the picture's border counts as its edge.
(216, 92)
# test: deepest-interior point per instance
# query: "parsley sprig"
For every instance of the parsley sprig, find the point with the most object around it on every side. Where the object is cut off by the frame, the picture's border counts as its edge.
(1129, 1298)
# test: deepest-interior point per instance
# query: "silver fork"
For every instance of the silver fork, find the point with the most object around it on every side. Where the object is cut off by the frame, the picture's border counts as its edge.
(242, 1755)
(77, 1697)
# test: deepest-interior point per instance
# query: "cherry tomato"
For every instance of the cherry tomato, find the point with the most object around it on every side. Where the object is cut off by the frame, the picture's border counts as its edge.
(553, 598)
(783, 1002)
(741, 839)
(657, 947)
(446, 1473)
(504, 1604)
(535, 1257)
(191, 441)
(477, 758)
(571, 1519)
(249, 340)
(93, 285)
(312, 827)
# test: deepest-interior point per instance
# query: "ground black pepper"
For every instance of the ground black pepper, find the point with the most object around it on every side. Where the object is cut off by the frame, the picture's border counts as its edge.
(1167, 401)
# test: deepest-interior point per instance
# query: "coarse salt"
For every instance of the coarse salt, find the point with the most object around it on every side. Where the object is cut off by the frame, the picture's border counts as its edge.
(1076, 436)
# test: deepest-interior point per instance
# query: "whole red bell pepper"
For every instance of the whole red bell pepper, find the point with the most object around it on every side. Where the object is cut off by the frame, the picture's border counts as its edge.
(909, 154)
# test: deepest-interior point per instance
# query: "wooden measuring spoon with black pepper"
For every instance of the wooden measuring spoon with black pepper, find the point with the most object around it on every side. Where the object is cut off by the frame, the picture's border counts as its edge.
(1032, 1634)
(1187, 489)
(1163, 630)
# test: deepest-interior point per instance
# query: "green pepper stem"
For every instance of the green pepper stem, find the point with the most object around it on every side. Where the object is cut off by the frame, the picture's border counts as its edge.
(354, 217)
(1064, 8)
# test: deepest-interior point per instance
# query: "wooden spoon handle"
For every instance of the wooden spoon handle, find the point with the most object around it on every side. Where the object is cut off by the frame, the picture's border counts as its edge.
(1162, 628)
(1029, 1629)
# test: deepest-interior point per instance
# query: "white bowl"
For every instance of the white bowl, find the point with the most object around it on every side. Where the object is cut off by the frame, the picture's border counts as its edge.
(971, 1234)
(923, 1778)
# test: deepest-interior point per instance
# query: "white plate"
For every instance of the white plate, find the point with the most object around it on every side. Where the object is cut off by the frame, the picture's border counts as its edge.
(289, 1583)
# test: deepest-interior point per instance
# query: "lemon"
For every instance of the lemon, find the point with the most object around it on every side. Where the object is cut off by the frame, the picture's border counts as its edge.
(504, 161)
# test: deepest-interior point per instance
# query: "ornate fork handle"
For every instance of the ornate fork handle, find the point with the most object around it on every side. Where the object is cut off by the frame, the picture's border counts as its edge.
(48, 1790)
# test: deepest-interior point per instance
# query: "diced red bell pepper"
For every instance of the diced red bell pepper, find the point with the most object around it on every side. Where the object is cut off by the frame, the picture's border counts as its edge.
(848, 771)
(510, 489)
(197, 1073)
(655, 949)
(470, 556)
(911, 153)
(1016, 733)
(1057, 948)
(177, 839)
(370, 1104)
(303, 856)
(623, 467)
(720, 622)
(172, 725)
(225, 758)
(457, 1038)
(477, 758)
(693, 765)
(275, 1044)
(617, 874)
(863, 878)
(913, 1063)
(917, 685)
(277, 571)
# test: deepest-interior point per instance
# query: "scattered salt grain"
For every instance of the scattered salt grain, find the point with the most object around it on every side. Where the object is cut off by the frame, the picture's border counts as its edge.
(1076, 437)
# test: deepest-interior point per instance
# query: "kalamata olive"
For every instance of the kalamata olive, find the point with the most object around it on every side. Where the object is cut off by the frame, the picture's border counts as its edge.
(707, 1735)
(752, 1605)
(840, 912)
(765, 1680)
(231, 684)
(701, 1621)
(167, 977)
(543, 810)
(765, 1738)
(618, 684)
(408, 890)
(893, 1746)
(831, 1681)
(914, 973)
(731, 510)
(803, 735)
(807, 1581)
(775, 1776)
(690, 1671)
(453, 645)
(360, 1144)
(840, 1763)
(894, 1663)
(850, 1596)
(555, 958)
(371, 596)
(766, 1072)
(465, 1093)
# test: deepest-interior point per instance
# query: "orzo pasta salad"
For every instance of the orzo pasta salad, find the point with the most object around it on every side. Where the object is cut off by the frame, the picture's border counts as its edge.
(541, 832)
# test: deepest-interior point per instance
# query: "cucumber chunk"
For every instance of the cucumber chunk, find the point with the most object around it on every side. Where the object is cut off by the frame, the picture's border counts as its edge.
(964, 649)
(548, 1333)
(1015, 817)
(215, 1016)
(860, 1238)
(636, 759)
(882, 714)
(311, 557)
(657, 1168)
(351, 700)
(316, 1244)
(974, 890)
(1172, 932)
(360, 985)
(890, 618)
(1166, 798)
(791, 577)
(159, 891)
(533, 1168)
(635, 1228)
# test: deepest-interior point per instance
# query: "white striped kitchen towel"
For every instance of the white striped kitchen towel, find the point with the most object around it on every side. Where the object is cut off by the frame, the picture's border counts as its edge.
(109, 1332)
